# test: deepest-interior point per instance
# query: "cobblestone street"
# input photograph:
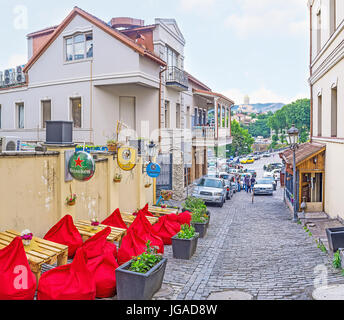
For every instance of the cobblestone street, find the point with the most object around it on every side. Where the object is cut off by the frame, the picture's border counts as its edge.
(253, 248)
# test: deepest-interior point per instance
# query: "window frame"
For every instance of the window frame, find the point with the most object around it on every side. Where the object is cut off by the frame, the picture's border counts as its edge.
(17, 115)
(85, 42)
(71, 111)
(42, 122)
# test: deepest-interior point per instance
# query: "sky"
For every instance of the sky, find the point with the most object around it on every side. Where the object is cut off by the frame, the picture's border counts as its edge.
(236, 47)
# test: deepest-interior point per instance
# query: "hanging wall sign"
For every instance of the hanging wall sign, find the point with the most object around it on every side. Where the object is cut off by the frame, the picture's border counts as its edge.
(126, 158)
(81, 166)
(153, 170)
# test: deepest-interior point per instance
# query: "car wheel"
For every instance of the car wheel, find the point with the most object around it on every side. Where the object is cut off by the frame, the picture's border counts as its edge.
(221, 204)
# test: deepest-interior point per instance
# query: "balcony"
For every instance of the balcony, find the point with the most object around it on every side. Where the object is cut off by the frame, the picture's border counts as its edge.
(177, 79)
(203, 136)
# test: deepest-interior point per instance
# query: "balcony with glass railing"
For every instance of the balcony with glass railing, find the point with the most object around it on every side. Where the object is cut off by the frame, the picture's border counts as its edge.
(177, 79)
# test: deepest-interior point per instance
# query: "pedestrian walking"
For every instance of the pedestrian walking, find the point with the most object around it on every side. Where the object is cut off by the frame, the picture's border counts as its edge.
(252, 183)
(247, 182)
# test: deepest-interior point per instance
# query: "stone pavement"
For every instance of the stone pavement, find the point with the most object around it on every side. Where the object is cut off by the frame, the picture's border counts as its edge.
(252, 248)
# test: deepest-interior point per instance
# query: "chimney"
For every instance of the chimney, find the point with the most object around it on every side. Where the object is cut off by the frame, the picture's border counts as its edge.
(126, 22)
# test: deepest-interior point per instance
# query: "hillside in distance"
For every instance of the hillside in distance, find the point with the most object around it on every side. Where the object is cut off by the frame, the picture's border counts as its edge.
(263, 107)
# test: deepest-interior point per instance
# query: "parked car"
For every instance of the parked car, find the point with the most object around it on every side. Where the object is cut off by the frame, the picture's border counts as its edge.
(256, 157)
(253, 172)
(263, 186)
(211, 190)
(266, 155)
(243, 160)
(272, 181)
(228, 179)
(277, 174)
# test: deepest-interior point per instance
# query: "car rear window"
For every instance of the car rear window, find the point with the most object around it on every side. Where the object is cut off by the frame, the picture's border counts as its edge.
(211, 183)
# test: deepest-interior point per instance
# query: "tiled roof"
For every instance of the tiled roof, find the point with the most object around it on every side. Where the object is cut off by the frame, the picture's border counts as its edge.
(102, 25)
(304, 151)
(214, 94)
(196, 81)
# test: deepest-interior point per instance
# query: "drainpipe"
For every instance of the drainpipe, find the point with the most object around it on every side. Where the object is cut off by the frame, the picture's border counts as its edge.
(310, 71)
(160, 88)
(91, 102)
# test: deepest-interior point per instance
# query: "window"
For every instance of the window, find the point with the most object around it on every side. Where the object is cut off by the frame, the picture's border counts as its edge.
(334, 111)
(319, 116)
(188, 117)
(20, 115)
(79, 47)
(319, 31)
(172, 57)
(0, 116)
(333, 13)
(46, 112)
(167, 114)
(178, 116)
(76, 111)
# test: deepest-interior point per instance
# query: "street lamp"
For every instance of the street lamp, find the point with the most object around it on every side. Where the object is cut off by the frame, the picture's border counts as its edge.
(293, 141)
(151, 150)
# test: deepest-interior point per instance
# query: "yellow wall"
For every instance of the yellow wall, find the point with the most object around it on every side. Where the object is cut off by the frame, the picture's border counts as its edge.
(33, 191)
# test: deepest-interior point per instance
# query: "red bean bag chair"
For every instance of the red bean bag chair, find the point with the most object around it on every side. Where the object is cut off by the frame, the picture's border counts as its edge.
(145, 211)
(65, 232)
(17, 282)
(166, 228)
(132, 246)
(101, 261)
(184, 218)
(73, 281)
(138, 234)
(115, 220)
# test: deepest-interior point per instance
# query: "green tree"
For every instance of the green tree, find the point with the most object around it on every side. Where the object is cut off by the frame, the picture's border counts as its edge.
(242, 140)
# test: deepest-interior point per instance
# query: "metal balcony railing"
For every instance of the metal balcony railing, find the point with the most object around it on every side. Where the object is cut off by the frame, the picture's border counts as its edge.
(175, 75)
(203, 132)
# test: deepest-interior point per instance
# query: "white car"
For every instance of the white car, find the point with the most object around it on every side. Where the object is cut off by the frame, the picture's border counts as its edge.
(268, 174)
(263, 186)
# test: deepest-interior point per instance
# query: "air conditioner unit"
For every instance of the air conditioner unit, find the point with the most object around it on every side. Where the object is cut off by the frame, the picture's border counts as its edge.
(9, 77)
(10, 144)
(20, 76)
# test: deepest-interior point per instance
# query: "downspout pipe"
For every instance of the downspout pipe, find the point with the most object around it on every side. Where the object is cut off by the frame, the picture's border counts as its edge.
(160, 95)
(310, 70)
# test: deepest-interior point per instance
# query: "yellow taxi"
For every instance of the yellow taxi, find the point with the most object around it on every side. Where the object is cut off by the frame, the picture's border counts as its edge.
(250, 160)
(243, 161)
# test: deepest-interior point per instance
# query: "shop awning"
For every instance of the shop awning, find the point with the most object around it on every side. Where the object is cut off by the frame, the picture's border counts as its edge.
(305, 152)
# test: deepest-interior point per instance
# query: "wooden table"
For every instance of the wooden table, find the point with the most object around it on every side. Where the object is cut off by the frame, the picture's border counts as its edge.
(129, 218)
(116, 234)
(48, 252)
(157, 211)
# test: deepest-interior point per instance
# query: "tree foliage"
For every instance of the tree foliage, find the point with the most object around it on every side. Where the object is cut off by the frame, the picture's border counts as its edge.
(242, 140)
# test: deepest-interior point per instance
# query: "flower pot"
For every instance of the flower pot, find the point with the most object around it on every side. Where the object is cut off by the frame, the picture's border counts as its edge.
(112, 147)
(71, 203)
(335, 237)
(147, 186)
(117, 180)
(201, 228)
(184, 248)
(138, 286)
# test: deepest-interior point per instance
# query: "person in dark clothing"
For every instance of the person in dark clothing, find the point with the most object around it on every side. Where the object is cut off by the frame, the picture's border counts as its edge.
(247, 183)
(252, 183)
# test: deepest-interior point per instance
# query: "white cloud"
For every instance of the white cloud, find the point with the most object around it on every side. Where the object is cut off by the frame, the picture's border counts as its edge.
(262, 95)
(14, 61)
(269, 17)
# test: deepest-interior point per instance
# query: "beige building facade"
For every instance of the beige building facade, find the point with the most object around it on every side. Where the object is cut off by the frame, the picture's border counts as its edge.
(327, 85)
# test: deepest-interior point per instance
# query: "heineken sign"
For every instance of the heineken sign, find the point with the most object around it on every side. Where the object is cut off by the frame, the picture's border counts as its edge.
(81, 166)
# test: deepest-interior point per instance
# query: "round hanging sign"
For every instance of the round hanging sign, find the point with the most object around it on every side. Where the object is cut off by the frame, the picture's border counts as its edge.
(153, 170)
(81, 166)
(126, 158)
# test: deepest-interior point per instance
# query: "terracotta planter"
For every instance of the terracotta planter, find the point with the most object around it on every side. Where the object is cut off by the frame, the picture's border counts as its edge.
(147, 186)
(139, 286)
(117, 180)
(112, 147)
(71, 203)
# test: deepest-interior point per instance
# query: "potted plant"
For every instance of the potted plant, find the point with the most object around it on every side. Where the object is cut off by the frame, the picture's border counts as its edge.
(117, 178)
(71, 200)
(26, 236)
(166, 194)
(200, 221)
(335, 237)
(184, 243)
(141, 277)
(112, 145)
(148, 185)
(94, 223)
(192, 204)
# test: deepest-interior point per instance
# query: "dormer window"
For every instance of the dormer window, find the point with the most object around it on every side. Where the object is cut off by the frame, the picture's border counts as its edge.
(79, 47)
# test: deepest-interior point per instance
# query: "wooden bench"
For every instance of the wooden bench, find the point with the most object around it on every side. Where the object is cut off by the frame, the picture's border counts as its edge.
(116, 234)
(129, 218)
(48, 252)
